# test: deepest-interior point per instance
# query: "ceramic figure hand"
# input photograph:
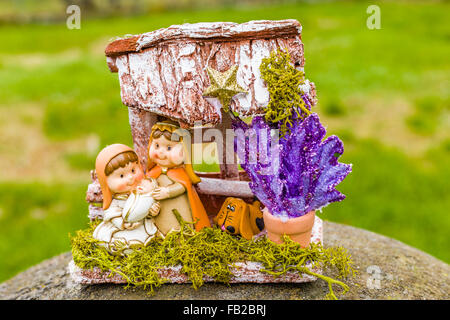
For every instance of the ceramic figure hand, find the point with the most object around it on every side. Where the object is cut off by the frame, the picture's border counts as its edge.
(154, 210)
(161, 193)
(131, 225)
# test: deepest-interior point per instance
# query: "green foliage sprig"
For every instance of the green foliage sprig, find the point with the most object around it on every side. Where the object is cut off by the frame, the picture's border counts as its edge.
(209, 252)
(283, 83)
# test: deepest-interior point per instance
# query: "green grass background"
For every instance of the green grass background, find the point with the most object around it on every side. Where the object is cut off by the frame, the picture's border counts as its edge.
(393, 189)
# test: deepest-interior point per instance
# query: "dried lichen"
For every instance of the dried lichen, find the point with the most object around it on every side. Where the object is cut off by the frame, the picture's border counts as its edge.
(209, 252)
(283, 83)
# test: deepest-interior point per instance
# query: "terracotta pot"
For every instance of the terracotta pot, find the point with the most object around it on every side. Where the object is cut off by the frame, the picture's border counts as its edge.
(298, 229)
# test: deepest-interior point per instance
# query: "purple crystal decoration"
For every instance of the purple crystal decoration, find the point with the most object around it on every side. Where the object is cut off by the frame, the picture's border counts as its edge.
(295, 174)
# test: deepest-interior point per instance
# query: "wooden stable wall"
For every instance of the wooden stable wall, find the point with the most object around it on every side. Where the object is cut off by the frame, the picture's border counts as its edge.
(164, 71)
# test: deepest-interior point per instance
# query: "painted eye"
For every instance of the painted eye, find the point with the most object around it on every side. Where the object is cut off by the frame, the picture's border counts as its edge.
(169, 148)
(232, 209)
(228, 207)
(132, 170)
(121, 175)
(157, 146)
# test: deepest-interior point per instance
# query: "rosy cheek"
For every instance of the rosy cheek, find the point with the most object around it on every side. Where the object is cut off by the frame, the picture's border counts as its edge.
(176, 157)
(152, 153)
(139, 175)
(121, 187)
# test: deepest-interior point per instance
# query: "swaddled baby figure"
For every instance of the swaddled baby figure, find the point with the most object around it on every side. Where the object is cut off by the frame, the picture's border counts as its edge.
(128, 206)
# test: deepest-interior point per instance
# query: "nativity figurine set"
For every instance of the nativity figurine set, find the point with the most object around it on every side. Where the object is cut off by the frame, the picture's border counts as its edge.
(138, 206)
(178, 82)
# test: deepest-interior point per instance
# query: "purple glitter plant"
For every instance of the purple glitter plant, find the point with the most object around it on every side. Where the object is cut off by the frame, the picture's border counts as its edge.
(296, 175)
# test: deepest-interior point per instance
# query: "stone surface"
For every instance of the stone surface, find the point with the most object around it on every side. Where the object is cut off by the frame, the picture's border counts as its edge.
(403, 273)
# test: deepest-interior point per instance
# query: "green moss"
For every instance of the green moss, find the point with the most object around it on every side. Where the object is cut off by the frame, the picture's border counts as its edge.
(209, 252)
(283, 83)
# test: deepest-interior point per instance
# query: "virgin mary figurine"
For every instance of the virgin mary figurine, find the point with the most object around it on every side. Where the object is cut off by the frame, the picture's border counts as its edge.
(120, 174)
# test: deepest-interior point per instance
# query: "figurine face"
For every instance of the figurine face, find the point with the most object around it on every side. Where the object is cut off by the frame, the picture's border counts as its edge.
(166, 153)
(125, 179)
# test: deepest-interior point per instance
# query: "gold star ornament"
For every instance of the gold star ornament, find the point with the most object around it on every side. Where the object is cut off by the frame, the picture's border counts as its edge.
(223, 86)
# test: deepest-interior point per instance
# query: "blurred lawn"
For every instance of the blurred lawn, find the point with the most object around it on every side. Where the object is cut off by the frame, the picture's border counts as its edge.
(384, 92)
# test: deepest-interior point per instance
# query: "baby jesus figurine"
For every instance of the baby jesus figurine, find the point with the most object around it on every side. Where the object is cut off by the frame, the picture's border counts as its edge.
(128, 204)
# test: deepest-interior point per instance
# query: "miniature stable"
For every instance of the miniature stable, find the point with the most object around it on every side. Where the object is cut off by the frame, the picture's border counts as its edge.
(163, 73)
(203, 76)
